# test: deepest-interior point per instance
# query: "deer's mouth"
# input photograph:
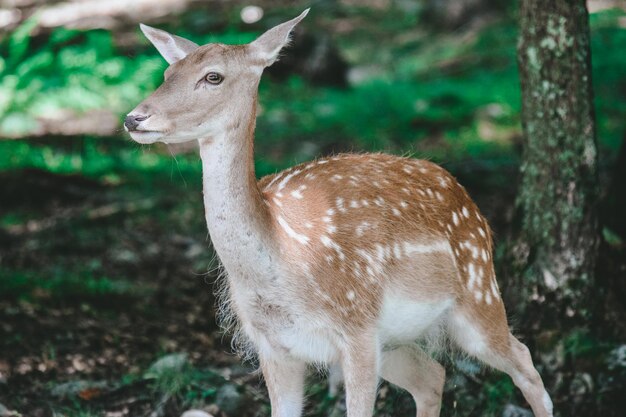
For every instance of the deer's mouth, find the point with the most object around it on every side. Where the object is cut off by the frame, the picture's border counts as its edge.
(145, 136)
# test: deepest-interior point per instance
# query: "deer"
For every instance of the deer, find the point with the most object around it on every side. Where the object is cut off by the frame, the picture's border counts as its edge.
(350, 261)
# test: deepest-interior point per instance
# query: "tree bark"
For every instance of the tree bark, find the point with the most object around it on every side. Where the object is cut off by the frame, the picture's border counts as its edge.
(556, 248)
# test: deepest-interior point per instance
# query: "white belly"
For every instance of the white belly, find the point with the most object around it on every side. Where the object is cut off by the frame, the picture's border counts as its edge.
(279, 328)
(405, 321)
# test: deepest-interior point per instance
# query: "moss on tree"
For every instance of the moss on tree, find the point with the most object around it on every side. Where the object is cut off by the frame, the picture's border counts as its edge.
(559, 170)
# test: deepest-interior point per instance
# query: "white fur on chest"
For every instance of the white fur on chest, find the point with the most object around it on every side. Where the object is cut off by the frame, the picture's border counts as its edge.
(277, 324)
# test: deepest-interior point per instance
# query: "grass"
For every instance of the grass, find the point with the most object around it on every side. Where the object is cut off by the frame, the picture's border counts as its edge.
(62, 284)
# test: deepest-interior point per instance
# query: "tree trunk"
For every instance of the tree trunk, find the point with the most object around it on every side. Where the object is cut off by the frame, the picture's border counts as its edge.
(557, 245)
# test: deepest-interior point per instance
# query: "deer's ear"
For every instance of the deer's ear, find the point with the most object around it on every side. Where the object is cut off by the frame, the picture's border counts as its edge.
(173, 48)
(267, 46)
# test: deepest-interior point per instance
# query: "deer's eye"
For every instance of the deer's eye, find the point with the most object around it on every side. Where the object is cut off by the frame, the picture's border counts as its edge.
(214, 78)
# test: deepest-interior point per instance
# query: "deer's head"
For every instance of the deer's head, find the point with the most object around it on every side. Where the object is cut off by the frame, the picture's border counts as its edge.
(204, 87)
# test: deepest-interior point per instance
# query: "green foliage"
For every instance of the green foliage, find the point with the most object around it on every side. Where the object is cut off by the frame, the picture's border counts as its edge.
(462, 91)
(498, 391)
(63, 284)
(582, 343)
(75, 412)
(95, 157)
(609, 83)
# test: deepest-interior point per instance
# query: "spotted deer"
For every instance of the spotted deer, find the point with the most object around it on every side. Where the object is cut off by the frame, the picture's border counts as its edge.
(347, 261)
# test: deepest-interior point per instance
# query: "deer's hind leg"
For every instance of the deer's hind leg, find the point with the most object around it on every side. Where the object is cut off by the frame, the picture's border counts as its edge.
(412, 369)
(488, 339)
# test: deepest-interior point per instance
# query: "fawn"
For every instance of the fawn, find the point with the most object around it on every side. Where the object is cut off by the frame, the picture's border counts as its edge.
(344, 261)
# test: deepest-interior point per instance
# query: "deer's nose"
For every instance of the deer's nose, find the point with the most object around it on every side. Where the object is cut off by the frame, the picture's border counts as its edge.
(132, 120)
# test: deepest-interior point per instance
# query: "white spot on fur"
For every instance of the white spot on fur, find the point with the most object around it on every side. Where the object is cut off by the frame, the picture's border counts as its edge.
(377, 266)
(354, 204)
(308, 225)
(277, 202)
(472, 276)
(440, 246)
(465, 212)
(330, 211)
(329, 243)
(397, 250)
(479, 277)
(494, 289)
(292, 233)
(404, 204)
(455, 218)
(285, 180)
(484, 254)
(276, 178)
(439, 196)
(380, 252)
(360, 229)
(327, 219)
(350, 295)
(396, 212)
(340, 207)
(331, 229)
(482, 232)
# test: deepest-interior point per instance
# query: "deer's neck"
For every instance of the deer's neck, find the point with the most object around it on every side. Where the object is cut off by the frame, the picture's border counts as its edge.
(236, 214)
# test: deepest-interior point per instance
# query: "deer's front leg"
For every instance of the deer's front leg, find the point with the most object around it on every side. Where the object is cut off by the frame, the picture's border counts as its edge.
(360, 369)
(284, 378)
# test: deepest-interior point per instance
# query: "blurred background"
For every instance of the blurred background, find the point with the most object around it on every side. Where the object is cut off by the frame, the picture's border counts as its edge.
(106, 269)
